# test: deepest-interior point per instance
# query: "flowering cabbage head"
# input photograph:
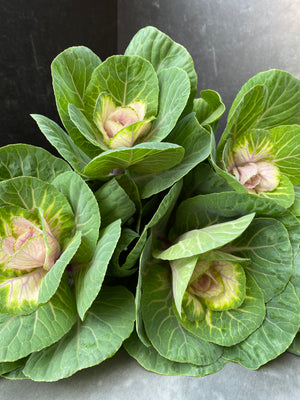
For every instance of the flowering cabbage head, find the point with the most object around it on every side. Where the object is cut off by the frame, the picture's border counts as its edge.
(216, 289)
(118, 112)
(32, 239)
(121, 125)
(39, 233)
(28, 249)
(260, 144)
(251, 161)
(214, 286)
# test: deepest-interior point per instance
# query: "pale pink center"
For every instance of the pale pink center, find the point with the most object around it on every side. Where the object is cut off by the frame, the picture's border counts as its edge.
(257, 177)
(24, 236)
(125, 116)
(27, 248)
(8, 245)
(119, 119)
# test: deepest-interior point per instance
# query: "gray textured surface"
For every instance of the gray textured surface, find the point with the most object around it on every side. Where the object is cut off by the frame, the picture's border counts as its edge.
(229, 40)
(121, 378)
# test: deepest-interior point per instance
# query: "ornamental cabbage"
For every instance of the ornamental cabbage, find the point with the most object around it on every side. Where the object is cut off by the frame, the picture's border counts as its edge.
(218, 286)
(121, 126)
(53, 259)
(118, 112)
(260, 145)
(28, 250)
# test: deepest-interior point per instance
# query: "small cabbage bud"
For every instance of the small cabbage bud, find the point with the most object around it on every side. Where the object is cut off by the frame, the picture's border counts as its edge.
(120, 125)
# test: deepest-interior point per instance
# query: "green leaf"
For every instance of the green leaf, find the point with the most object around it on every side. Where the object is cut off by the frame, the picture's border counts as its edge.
(62, 142)
(275, 334)
(283, 195)
(174, 90)
(157, 223)
(162, 52)
(209, 108)
(244, 116)
(24, 334)
(216, 255)
(196, 143)
(130, 264)
(9, 366)
(128, 184)
(229, 327)
(71, 73)
(108, 322)
(25, 160)
(86, 128)
(162, 213)
(144, 158)
(166, 334)
(119, 265)
(86, 211)
(228, 179)
(295, 346)
(287, 146)
(292, 225)
(192, 307)
(282, 105)
(295, 278)
(145, 260)
(247, 111)
(89, 277)
(204, 180)
(114, 203)
(202, 210)
(151, 360)
(182, 271)
(53, 277)
(211, 237)
(126, 79)
(295, 208)
(16, 374)
(266, 243)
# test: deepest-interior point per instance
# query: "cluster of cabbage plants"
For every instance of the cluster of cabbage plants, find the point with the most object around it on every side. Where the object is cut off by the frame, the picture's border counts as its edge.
(148, 233)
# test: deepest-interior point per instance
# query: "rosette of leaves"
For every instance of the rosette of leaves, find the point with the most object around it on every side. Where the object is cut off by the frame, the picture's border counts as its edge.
(260, 147)
(119, 113)
(222, 289)
(295, 210)
(54, 318)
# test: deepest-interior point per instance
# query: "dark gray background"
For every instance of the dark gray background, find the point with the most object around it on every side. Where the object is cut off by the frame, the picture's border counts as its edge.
(230, 41)
(32, 33)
